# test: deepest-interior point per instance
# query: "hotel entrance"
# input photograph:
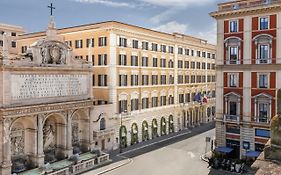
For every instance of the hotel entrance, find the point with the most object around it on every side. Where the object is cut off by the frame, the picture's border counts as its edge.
(235, 145)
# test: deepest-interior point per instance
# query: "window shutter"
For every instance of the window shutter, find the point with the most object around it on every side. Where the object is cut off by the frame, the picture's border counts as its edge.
(105, 59)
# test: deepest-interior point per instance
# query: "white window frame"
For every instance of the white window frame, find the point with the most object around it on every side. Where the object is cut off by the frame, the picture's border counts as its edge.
(103, 41)
(238, 54)
(236, 81)
(268, 110)
(237, 26)
(268, 60)
(259, 22)
(268, 79)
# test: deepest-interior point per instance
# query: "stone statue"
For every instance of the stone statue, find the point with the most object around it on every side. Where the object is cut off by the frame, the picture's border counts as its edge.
(75, 136)
(273, 150)
(49, 136)
(17, 145)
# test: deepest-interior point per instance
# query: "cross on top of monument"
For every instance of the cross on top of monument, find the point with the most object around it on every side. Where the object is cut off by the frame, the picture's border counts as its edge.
(51, 8)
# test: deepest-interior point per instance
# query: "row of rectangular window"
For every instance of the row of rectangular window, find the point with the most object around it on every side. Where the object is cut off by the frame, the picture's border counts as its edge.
(90, 42)
(144, 62)
(163, 48)
(263, 80)
(263, 24)
(135, 105)
(155, 101)
(13, 44)
(123, 79)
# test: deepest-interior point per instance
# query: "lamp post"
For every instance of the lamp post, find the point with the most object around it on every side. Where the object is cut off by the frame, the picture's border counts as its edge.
(121, 123)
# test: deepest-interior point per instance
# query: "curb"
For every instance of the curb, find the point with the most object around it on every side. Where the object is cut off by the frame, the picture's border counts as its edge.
(203, 157)
(116, 167)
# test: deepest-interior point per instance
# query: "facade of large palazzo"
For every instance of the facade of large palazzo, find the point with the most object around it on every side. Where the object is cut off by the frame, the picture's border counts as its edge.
(152, 79)
(248, 73)
(47, 109)
(10, 32)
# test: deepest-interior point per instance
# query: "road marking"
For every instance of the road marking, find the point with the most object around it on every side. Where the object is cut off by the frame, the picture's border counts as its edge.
(154, 143)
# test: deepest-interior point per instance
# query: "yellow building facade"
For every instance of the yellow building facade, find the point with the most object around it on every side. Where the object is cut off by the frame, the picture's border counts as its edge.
(153, 79)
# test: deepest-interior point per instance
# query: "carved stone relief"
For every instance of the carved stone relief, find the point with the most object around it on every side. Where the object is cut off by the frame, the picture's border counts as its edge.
(17, 140)
(49, 135)
(75, 133)
(53, 53)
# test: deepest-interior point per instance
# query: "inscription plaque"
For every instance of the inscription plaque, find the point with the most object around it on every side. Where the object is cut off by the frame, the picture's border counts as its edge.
(31, 86)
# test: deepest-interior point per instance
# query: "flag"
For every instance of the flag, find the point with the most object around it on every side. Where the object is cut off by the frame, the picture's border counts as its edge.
(197, 97)
(205, 99)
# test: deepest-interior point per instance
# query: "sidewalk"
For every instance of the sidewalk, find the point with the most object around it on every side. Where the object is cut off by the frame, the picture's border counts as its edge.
(109, 167)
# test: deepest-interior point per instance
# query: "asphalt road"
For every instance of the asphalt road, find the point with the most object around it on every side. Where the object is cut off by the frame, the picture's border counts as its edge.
(180, 158)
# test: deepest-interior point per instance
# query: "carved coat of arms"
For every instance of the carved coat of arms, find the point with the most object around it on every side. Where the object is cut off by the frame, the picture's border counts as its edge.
(53, 53)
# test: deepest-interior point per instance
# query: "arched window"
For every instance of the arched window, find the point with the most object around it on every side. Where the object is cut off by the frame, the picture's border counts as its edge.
(263, 49)
(263, 108)
(102, 124)
(233, 50)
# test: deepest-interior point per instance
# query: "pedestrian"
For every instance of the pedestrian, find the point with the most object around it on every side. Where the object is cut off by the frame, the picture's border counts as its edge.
(211, 162)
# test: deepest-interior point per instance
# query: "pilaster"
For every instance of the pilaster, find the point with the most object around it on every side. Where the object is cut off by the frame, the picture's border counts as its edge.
(6, 164)
(40, 151)
(69, 148)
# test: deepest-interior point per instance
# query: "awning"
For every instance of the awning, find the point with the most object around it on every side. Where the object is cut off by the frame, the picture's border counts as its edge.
(223, 149)
(252, 153)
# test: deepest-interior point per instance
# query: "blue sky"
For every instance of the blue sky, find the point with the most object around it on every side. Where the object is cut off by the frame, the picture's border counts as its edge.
(184, 16)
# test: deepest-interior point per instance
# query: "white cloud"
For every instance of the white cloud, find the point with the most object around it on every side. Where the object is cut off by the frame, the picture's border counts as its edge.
(209, 35)
(171, 27)
(107, 3)
(178, 3)
(164, 16)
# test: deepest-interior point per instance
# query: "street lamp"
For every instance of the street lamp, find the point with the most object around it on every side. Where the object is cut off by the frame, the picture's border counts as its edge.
(121, 123)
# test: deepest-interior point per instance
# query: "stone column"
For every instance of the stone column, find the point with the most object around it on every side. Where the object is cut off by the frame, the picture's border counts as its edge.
(6, 164)
(40, 151)
(91, 129)
(69, 149)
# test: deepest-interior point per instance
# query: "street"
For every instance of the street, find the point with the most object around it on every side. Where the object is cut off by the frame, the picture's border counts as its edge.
(180, 158)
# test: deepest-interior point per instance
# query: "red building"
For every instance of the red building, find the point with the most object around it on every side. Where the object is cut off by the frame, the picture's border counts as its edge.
(248, 72)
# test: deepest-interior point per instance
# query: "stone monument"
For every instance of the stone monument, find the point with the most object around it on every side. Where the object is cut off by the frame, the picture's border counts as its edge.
(272, 150)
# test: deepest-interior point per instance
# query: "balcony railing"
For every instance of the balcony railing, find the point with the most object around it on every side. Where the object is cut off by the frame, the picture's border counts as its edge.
(264, 120)
(264, 61)
(232, 61)
(247, 4)
(231, 118)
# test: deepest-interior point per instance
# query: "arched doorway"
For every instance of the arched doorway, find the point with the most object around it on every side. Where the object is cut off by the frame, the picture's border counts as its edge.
(22, 144)
(80, 132)
(171, 124)
(54, 138)
(213, 111)
(184, 119)
(187, 119)
(154, 129)
(163, 126)
(192, 117)
(197, 116)
(134, 134)
(209, 113)
(145, 135)
(123, 136)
